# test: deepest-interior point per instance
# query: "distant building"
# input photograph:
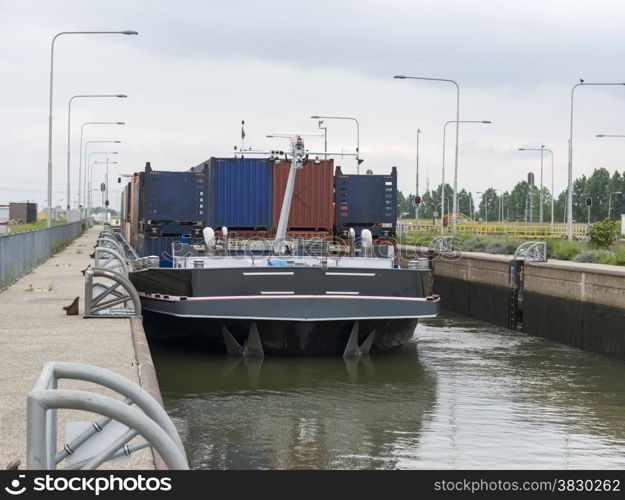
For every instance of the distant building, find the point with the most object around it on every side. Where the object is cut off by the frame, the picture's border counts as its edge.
(23, 212)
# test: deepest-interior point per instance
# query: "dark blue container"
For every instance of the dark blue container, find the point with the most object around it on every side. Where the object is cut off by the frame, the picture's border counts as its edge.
(366, 202)
(240, 193)
(173, 196)
(160, 246)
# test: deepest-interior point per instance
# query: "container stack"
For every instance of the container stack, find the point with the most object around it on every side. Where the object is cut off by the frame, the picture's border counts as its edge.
(246, 196)
(366, 202)
(312, 208)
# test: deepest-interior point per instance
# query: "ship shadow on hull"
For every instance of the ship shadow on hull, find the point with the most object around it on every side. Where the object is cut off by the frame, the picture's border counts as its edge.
(288, 338)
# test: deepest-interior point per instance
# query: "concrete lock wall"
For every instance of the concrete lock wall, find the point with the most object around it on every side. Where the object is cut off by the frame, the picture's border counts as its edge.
(582, 305)
(475, 285)
(22, 252)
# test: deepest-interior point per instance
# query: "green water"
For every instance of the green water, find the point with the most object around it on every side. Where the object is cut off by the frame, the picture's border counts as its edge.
(462, 394)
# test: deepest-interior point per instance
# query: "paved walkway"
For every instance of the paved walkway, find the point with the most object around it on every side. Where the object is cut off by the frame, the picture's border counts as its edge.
(34, 329)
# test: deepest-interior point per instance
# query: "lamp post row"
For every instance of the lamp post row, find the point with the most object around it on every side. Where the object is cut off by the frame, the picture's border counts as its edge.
(125, 32)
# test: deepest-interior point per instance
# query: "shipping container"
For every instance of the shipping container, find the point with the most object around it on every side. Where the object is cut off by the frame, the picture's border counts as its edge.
(134, 209)
(160, 247)
(173, 196)
(312, 207)
(23, 212)
(240, 193)
(366, 202)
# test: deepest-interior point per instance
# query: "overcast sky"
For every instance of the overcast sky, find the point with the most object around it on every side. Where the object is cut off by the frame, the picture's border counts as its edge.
(198, 68)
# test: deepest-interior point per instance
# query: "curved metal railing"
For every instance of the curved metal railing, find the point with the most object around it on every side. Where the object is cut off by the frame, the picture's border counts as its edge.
(148, 419)
(532, 251)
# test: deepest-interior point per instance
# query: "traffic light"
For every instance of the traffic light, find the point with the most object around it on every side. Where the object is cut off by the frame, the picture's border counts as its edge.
(417, 200)
(589, 202)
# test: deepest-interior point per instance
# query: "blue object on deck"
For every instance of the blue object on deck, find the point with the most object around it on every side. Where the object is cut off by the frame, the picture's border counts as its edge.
(278, 263)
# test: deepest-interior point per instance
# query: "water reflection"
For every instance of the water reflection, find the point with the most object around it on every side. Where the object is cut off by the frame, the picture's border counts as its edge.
(320, 413)
(471, 396)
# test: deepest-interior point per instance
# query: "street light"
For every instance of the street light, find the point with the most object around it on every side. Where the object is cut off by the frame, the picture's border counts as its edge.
(609, 135)
(610, 202)
(69, 118)
(455, 197)
(404, 77)
(358, 160)
(416, 205)
(86, 149)
(106, 181)
(570, 180)
(91, 173)
(82, 129)
(541, 149)
(500, 198)
(125, 32)
(325, 138)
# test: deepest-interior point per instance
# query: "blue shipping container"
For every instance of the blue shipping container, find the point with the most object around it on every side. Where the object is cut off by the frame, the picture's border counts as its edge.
(240, 193)
(365, 200)
(173, 196)
(160, 246)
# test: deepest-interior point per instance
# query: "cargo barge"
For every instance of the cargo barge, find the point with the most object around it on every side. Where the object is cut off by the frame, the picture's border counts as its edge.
(296, 306)
(284, 296)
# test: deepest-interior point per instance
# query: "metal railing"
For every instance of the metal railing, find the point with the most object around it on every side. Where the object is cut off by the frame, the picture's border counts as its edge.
(108, 291)
(518, 229)
(532, 251)
(113, 296)
(148, 420)
(21, 252)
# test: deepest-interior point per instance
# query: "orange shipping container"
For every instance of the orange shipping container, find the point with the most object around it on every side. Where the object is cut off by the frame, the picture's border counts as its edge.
(312, 207)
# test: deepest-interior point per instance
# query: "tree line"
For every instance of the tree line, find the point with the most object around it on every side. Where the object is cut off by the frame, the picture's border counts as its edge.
(522, 203)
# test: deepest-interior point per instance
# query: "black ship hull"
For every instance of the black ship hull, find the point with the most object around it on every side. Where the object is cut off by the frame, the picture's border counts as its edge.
(286, 338)
(291, 311)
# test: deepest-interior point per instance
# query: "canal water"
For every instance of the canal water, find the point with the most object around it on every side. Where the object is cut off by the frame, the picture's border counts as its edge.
(463, 394)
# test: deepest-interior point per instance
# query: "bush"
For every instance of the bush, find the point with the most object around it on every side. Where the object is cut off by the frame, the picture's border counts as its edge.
(603, 233)
(563, 249)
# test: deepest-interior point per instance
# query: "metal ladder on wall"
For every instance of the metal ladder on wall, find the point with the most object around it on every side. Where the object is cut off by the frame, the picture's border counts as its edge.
(530, 251)
(139, 414)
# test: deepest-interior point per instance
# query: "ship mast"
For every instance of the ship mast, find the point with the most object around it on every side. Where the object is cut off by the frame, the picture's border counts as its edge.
(298, 158)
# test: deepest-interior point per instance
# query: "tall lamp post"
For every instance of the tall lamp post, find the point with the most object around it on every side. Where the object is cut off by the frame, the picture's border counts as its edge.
(325, 138)
(500, 198)
(69, 121)
(610, 201)
(416, 205)
(91, 173)
(569, 201)
(106, 182)
(542, 149)
(125, 32)
(83, 166)
(358, 160)
(455, 197)
(404, 77)
(88, 180)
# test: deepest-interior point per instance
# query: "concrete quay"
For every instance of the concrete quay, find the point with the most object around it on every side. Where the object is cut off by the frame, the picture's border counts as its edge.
(34, 329)
(578, 304)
